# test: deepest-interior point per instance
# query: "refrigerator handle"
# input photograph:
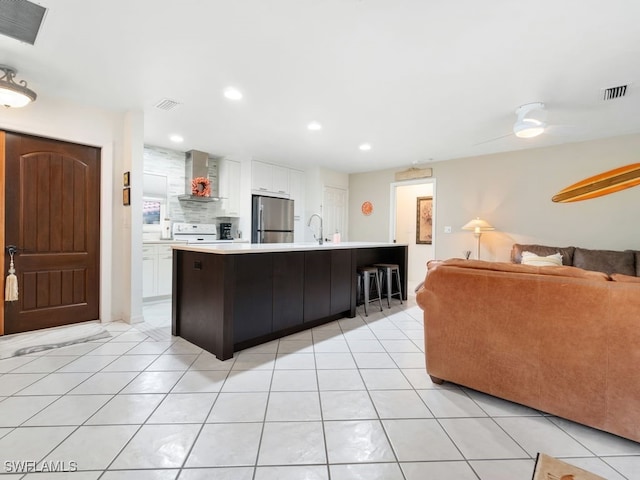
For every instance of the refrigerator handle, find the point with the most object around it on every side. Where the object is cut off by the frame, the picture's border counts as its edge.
(260, 226)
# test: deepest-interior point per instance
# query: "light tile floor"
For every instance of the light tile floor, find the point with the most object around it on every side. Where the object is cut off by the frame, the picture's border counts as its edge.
(347, 400)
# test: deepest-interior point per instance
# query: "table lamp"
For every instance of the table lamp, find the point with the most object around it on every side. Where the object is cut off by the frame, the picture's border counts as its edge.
(478, 226)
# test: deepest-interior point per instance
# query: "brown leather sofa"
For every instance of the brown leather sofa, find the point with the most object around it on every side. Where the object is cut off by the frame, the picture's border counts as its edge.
(560, 339)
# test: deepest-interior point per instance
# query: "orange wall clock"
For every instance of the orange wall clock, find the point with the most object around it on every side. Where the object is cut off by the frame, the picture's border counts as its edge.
(602, 184)
(367, 208)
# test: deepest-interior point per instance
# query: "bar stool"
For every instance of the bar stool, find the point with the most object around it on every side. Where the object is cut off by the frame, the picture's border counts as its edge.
(387, 270)
(365, 274)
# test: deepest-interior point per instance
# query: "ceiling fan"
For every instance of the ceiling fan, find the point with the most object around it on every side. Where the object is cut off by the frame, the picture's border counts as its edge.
(527, 125)
(530, 122)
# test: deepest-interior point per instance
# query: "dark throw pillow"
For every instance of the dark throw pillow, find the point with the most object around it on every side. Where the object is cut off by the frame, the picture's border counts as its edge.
(607, 261)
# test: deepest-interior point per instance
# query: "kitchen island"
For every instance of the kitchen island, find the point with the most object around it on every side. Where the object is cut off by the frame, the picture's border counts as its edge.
(227, 297)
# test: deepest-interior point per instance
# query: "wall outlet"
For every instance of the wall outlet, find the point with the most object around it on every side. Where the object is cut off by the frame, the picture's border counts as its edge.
(447, 229)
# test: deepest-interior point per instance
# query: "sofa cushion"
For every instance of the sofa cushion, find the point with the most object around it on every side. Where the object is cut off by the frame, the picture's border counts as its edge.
(636, 254)
(619, 277)
(543, 251)
(562, 271)
(529, 258)
(607, 261)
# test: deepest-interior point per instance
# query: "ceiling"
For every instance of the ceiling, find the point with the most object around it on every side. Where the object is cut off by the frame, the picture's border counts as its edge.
(419, 80)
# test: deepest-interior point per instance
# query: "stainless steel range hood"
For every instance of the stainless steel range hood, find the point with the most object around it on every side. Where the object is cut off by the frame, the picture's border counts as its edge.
(197, 165)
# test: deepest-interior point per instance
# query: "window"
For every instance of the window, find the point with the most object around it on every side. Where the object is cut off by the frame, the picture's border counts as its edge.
(151, 212)
(154, 192)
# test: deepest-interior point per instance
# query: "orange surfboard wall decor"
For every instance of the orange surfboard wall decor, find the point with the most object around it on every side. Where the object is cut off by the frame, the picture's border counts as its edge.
(601, 184)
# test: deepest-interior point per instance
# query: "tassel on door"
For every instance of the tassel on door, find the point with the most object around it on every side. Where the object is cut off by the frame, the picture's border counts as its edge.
(11, 286)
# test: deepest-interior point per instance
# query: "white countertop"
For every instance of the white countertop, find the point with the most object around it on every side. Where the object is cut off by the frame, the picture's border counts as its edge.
(228, 248)
(182, 242)
(163, 242)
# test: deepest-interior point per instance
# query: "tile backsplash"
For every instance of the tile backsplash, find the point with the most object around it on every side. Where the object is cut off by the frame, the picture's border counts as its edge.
(164, 161)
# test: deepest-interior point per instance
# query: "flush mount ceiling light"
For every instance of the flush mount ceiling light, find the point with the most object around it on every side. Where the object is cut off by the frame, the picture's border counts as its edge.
(314, 126)
(232, 93)
(526, 126)
(365, 147)
(176, 138)
(14, 94)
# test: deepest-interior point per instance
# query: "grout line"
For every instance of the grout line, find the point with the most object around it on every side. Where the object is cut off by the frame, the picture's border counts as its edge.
(375, 408)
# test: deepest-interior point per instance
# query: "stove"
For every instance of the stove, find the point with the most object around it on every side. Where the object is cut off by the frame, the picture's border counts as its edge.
(197, 233)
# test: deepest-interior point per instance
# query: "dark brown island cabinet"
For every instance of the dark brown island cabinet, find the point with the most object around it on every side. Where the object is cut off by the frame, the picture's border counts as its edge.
(229, 297)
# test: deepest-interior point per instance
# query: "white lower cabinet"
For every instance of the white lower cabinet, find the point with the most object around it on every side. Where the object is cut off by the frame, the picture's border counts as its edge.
(149, 275)
(157, 266)
(165, 269)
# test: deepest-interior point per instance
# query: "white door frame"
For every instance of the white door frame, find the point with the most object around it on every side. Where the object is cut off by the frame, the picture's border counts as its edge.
(393, 202)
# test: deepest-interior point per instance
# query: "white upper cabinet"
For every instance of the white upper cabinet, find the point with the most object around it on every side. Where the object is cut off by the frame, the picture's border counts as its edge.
(261, 177)
(269, 179)
(229, 187)
(280, 179)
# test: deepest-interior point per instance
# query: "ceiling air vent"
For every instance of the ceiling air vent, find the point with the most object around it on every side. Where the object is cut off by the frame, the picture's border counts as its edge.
(166, 104)
(614, 92)
(21, 19)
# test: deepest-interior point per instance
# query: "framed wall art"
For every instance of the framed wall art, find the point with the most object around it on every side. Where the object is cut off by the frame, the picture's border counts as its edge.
(424, 221)
(125, 179)
(126, 196)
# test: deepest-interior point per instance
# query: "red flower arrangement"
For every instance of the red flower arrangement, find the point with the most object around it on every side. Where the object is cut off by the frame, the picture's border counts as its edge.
(201, 187)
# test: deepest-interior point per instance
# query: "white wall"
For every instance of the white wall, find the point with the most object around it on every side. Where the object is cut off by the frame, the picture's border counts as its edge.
(131, 234)
(100, 128)
(513, 192)
(372, 187)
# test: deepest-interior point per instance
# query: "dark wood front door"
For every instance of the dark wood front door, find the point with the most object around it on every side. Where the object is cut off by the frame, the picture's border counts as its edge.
(52, 214)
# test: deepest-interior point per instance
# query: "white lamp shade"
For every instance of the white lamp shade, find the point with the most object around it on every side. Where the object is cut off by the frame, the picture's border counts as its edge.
(478, 225)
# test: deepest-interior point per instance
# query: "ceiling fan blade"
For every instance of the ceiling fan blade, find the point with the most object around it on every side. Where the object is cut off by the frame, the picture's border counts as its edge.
(493, 139)
(564, 130)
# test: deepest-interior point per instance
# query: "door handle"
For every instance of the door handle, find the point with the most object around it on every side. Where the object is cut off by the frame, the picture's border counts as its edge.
(12, 249)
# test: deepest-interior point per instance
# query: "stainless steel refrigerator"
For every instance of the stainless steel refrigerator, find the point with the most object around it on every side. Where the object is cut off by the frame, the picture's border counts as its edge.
(271, 220)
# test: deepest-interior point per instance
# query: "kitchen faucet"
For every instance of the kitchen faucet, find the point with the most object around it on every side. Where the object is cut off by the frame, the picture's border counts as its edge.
(321, 239)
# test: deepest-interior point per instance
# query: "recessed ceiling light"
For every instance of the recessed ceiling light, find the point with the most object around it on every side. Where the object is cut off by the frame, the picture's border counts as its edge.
(176, 138)
(365, 147)
(232, 93)
(314, 126)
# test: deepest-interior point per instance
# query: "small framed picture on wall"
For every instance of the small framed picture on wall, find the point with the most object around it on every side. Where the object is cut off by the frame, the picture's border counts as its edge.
(126, 196)
(125, 179)
(424, 221)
